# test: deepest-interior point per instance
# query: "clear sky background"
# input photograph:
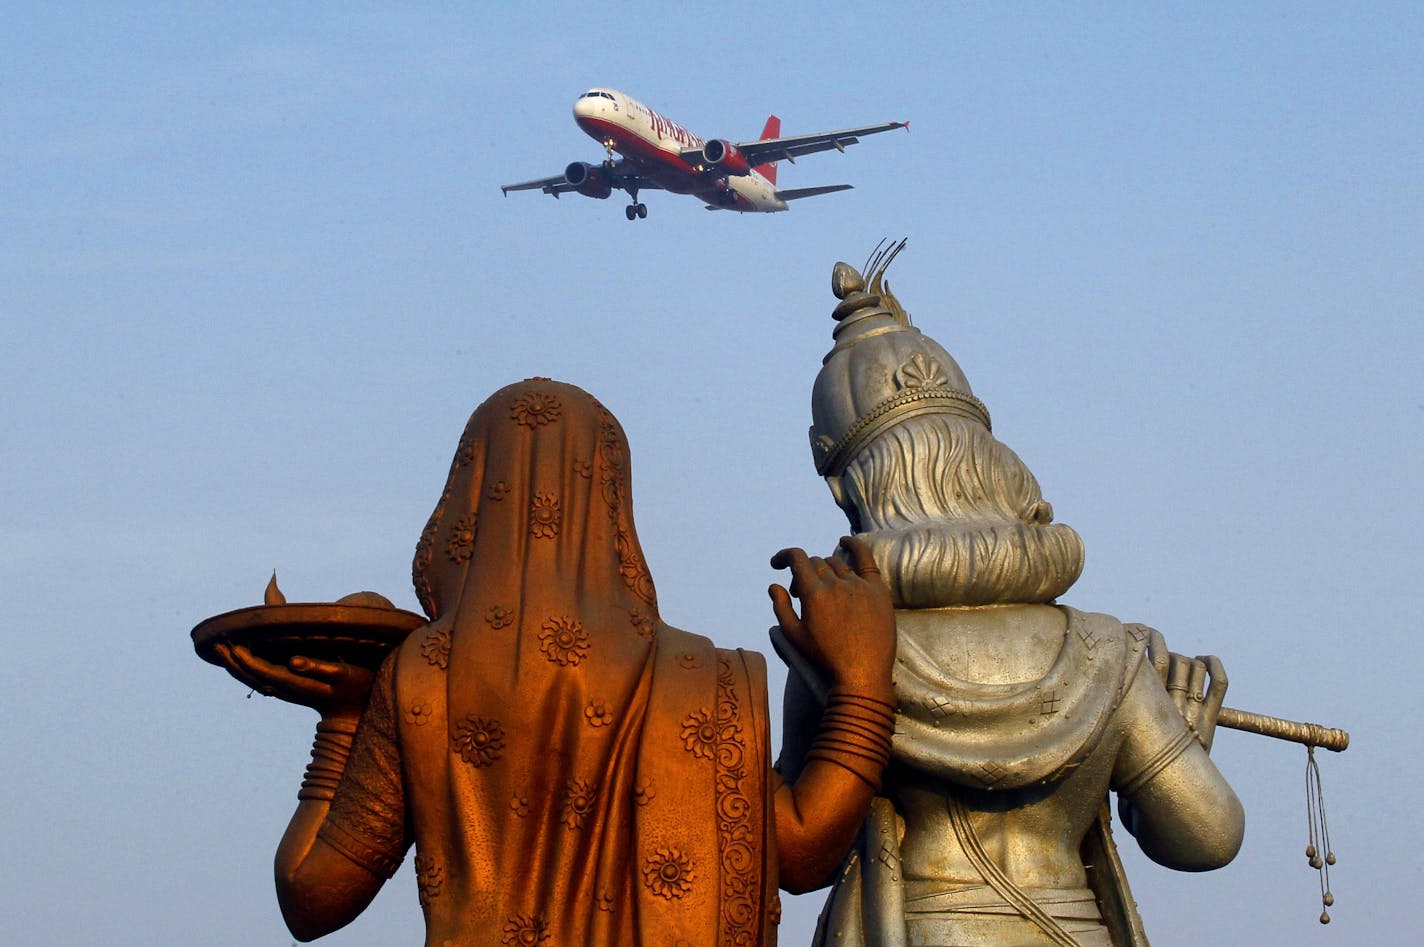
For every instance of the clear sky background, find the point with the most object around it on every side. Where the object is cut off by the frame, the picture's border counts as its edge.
(256, 270)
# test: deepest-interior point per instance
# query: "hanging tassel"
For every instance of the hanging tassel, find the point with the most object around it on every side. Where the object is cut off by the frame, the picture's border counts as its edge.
(1319, 832)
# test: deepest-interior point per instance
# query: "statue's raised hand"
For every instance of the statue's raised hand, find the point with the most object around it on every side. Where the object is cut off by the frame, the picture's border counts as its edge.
(847, 623)
(1196, 685)
(333, 689)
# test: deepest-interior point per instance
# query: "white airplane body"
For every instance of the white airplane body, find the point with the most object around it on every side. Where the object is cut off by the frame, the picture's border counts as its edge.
(656, 153)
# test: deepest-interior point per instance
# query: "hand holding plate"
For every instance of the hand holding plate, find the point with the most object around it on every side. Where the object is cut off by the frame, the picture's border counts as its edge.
(332, 688)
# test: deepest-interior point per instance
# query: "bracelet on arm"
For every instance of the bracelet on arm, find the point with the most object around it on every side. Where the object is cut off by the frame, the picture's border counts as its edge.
(1160, 760)
(331, 750)
(855, 735)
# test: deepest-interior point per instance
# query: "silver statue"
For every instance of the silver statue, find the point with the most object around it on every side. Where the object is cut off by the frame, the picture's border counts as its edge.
(1016, 714)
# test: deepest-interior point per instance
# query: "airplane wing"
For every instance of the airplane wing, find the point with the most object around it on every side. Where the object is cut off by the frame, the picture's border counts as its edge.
(624, 175)
(794, 146)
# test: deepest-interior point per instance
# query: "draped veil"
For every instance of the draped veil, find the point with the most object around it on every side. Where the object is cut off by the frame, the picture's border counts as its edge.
(575, 770)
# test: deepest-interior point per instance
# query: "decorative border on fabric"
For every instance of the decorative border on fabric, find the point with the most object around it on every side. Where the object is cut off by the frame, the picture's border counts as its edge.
(429, 879)
(736, 835)
(425, 552)
(612, 463)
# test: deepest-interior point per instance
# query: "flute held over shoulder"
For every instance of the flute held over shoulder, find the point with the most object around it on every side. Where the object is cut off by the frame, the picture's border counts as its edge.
(1311, 734)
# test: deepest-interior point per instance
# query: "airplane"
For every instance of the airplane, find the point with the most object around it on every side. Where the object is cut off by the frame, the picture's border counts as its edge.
(656, 153)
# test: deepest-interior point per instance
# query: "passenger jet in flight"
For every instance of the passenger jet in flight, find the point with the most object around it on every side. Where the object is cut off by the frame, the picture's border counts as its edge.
(656, 153)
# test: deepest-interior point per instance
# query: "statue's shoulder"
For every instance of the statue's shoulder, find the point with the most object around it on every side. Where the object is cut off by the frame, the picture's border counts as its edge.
(688, 648)
(677, 641)
(1102, 623)
(1082, 614)
(1126, 640)
(419, 665)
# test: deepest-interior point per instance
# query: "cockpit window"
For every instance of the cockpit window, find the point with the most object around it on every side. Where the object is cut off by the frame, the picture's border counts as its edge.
(598, 94)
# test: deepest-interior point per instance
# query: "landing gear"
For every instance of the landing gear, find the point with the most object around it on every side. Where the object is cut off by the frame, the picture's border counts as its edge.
(608, 147)
(635, 211)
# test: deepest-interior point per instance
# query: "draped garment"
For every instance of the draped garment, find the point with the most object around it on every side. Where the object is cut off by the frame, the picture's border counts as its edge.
(994, 737)
(570, 769)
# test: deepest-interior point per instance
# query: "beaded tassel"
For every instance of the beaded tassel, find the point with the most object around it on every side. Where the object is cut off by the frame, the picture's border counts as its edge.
(1319, 831)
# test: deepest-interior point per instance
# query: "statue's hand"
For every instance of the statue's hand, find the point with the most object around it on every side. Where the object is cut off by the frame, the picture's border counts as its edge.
(331, 688)
(1196, 685)
(847, 623)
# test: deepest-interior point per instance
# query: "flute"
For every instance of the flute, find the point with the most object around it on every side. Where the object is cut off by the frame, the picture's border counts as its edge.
(1311, 734)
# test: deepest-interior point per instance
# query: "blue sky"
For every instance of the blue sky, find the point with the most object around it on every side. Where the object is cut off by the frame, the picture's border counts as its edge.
(256, 270)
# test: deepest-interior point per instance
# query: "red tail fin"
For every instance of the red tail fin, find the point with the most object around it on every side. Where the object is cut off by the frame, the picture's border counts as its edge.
(772, 130)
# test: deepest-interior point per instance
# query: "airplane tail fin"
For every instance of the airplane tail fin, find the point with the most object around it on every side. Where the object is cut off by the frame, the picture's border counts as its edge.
(772, 130)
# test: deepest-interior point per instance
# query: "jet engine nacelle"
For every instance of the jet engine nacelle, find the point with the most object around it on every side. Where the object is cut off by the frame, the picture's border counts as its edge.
(724, 156)
(589, 180)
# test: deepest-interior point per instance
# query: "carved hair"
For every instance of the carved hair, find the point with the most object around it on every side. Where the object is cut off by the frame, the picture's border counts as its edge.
(955, 518)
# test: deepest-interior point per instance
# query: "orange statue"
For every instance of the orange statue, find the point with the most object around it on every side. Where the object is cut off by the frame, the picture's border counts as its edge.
(570, 769)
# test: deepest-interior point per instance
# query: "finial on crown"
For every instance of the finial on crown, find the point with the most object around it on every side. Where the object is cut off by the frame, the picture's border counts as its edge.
(861, 299)
(856, 303)
(881, 370)
(846, 279)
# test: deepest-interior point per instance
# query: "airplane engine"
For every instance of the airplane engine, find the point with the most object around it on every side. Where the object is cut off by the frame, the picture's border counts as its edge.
(588, 180)
(724, 156)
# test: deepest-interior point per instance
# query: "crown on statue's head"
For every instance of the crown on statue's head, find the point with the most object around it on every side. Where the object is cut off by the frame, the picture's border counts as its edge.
(881, 371)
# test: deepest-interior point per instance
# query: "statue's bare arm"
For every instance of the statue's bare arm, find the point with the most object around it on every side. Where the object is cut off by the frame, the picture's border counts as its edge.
(846, 628)
(1172, 797)
(320, 889)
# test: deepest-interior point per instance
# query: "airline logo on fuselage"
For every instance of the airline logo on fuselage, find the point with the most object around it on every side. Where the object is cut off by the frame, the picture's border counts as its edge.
(665, 128)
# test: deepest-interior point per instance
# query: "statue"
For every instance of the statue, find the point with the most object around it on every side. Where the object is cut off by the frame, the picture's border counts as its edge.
(569, 769)
(1016, 715)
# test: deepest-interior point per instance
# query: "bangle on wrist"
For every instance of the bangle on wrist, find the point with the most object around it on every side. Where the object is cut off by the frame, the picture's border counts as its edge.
(331, 751)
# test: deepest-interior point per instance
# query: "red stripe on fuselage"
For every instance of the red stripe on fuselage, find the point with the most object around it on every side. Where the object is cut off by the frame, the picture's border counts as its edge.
(666, 167)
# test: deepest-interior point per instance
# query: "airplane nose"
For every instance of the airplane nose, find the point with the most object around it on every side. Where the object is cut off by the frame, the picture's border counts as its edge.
(585, 107)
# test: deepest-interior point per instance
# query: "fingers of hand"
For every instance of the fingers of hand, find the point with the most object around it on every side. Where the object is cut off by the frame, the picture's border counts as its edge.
(256, 673)
(1158, 653)
(806, 571)
(1179, 674)
(1196, 679)
(861, 556)
(320, 670)
(788, 557)
(1215, 696)
(785, 612)
(1196, 690)
(237, 668)
(1217, 670)
(841, 568)
(266, 677)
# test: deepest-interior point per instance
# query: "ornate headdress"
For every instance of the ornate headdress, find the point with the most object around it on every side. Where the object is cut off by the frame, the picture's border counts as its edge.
(881, 370)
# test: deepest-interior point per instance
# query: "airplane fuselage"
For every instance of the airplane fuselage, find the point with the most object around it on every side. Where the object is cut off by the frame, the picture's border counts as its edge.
(623, 124)
(656, 153)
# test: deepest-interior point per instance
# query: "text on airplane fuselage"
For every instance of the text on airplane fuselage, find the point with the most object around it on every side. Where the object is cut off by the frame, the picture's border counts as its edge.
(665, 128)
